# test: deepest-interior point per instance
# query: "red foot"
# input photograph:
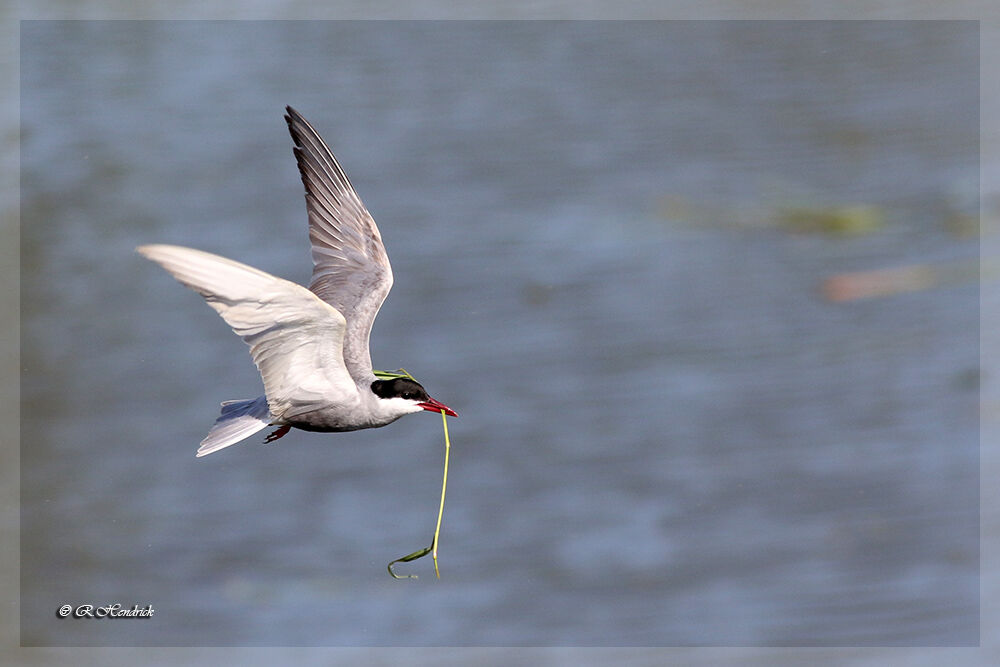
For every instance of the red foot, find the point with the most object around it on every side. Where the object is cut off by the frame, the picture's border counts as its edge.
(277, 434)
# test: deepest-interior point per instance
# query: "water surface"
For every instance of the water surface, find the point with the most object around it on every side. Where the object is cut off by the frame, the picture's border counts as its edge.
(667, 435)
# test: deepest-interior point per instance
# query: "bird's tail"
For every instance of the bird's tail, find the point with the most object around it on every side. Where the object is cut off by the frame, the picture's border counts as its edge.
(238, 421)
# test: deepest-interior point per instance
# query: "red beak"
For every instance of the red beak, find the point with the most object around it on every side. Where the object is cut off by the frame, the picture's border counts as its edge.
(437, 406)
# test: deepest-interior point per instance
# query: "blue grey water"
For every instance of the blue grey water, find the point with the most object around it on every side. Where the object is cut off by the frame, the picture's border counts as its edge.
(667, 435)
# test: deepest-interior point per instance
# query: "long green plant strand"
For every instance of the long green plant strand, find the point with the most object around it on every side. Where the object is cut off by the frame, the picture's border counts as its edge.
(433, 548)
(444, 487)
(392, 375)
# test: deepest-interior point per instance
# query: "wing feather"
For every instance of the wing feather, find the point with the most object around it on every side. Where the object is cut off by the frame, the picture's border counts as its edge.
(351, 270)
(295, 338)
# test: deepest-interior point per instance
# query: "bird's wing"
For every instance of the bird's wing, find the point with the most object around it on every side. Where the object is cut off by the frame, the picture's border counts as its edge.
(351, 271)
(294, 337)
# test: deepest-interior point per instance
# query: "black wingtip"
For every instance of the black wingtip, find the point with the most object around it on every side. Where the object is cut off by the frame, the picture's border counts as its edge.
(291, 118)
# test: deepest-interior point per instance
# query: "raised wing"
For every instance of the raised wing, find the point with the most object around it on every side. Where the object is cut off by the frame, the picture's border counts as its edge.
(295, 338)
(351, 271)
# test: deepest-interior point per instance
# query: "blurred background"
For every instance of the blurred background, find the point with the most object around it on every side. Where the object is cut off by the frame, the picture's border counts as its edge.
(705, 296)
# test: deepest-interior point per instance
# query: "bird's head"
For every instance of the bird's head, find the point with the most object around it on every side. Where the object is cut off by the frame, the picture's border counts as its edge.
(409, 394)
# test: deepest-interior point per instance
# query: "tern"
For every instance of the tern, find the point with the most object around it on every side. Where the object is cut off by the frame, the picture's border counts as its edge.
(310, 345)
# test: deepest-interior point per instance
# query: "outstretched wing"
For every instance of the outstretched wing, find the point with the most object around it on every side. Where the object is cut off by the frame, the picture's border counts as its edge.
(295, 338)
(351, 271)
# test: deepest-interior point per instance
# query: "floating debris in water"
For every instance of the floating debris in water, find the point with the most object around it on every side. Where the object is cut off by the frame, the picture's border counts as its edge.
(853, 220)
(856, 285)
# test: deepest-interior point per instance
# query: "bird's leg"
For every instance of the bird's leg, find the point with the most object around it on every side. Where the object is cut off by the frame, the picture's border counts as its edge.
(277, 434)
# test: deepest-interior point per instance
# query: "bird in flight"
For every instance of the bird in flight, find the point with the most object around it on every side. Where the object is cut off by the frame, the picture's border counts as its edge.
(310, 345)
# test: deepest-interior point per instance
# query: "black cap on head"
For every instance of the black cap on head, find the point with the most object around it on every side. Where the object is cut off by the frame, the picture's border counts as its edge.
(399, 388)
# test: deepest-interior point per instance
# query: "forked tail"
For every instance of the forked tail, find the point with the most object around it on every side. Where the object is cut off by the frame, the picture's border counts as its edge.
(238, 421)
